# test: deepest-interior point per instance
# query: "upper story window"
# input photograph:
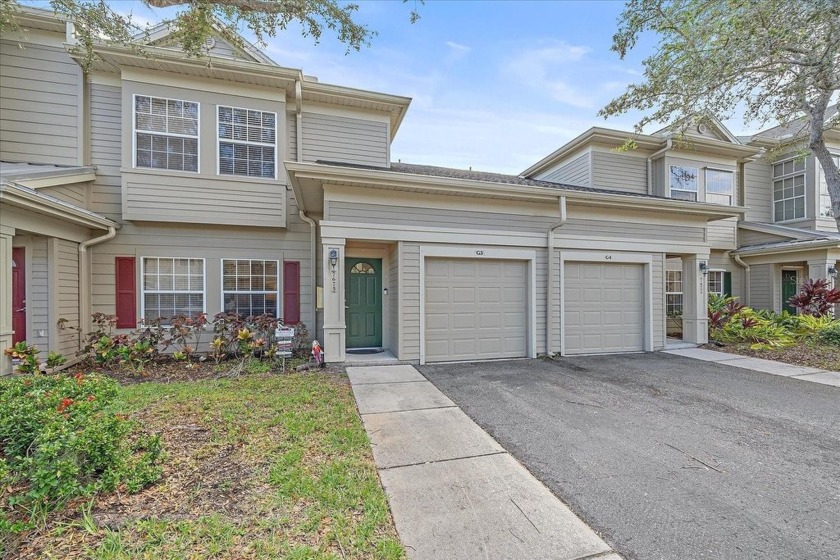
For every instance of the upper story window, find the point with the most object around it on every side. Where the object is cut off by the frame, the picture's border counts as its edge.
(684, 182)
(166, 133)
(825, 198)
(789, 190)
(719, 186)
(247, 142)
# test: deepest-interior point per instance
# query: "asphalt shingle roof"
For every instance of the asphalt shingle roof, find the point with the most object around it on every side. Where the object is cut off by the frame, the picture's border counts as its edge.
(483, 176)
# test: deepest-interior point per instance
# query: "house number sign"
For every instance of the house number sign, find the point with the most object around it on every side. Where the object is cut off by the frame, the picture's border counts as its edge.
(480, 253)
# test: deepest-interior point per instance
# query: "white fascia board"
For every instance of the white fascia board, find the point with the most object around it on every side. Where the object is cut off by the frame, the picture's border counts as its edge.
(792, 248)
(782, 231)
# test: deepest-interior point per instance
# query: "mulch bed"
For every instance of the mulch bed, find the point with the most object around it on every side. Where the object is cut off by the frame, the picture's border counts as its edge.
(167, 370)
(822, 356)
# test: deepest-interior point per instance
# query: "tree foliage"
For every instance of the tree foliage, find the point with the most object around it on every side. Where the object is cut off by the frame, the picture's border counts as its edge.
(196, 20)
(766, 60)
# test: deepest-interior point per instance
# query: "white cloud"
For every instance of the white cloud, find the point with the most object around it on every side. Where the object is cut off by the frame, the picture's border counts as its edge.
(458, 49)
(545, 69)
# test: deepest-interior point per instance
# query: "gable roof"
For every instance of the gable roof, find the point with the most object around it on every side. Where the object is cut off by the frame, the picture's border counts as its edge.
(158, 35)
(792, 129)
(722, 132)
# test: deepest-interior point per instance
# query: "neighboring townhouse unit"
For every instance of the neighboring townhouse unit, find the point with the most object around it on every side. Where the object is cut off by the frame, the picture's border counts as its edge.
(786, 233)
(156, 186)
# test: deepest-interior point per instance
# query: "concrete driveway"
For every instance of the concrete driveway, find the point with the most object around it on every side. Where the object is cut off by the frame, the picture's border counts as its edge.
(669, 457)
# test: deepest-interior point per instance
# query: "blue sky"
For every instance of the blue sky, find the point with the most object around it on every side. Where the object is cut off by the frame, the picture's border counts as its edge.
(495, 85)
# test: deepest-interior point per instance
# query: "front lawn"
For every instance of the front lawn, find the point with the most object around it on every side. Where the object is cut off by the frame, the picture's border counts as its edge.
(261, 466)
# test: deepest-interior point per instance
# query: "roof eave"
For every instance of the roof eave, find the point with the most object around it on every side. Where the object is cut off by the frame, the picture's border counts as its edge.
(23, 197)
(299, 170)
(794, 247)
(53, 178)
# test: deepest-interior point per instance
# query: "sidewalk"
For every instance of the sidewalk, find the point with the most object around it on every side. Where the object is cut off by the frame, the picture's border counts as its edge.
(455, 493)
(767, 366)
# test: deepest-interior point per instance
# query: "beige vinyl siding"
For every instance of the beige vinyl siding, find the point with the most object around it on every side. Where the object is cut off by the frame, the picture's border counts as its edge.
(344, 139)
(722, 234)
(749, 237)
(171, 197)
(758, 191)
(584, 227)
(105, 149)
(76, 194)
(410, 300)
(657, 273)
(38, 291)
(435, 217)
(39, 94)
(394, 299)
(761, 286)
(66, 266)
(210, 242)
(575, 172)
(657, 169)
(619, 172)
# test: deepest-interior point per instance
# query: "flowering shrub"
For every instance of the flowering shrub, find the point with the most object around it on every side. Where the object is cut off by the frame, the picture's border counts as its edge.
(60, 440)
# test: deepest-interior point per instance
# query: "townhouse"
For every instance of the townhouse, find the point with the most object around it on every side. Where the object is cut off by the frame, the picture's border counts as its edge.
(155, 186)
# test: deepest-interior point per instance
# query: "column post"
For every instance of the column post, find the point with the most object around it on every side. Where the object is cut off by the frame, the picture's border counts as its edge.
(334, 311)
(695, 299)
(6, 236)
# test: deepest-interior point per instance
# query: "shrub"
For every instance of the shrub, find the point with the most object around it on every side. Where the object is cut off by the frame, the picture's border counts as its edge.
(830, 335)
(61, 440)
(26, 356)
(54, 360)
(816, 297)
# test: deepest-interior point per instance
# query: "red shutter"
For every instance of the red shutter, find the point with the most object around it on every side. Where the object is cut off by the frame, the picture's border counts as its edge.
(291, 292)
(126, 293)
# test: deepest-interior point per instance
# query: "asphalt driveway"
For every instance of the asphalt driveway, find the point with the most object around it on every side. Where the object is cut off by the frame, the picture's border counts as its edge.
(668, 457)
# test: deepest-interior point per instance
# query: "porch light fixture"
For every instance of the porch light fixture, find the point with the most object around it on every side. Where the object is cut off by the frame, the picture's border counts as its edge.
(333, 257)
(832, 271)
(704, 268)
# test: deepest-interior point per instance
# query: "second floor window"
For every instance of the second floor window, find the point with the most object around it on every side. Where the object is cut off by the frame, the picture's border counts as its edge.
(719, 186)
(789, 190)
(684, 182)
(166, 133)
(247, 142)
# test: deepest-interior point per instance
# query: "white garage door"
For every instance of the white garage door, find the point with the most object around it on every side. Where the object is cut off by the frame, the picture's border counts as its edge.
(604, 308)
(476, 309)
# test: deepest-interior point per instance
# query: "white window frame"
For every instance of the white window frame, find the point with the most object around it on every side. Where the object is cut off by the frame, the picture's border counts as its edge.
(279, 291)
(220, 140)
(792, 175)
(696, 190)
(134, 132)
(730, 194)
(144, 291)
(824, 209)
(722, 273)
(667, 293)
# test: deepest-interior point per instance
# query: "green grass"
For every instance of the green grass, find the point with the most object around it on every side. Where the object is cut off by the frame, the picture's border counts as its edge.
(288, 453)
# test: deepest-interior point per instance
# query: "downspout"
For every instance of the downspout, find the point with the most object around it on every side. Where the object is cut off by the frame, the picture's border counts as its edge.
(549, 291)
(84, 276)
(313, 255)
(653, 156)
(746, 268)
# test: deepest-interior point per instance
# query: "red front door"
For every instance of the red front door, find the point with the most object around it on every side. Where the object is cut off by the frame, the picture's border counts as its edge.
(18, 294)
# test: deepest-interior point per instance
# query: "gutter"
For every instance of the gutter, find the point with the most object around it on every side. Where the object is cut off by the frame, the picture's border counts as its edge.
(668, 145)
(549, 292)
(84, 276)
(313, 255)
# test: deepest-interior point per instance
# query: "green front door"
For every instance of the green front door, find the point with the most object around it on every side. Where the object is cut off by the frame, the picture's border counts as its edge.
(363, 293)
(789, 289)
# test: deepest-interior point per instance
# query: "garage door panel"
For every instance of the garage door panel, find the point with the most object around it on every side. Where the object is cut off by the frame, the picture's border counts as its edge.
(603, 307)
(485, 303)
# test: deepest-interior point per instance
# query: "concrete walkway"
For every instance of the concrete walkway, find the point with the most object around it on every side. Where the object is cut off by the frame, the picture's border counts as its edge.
(767, 366)
(455, 493)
